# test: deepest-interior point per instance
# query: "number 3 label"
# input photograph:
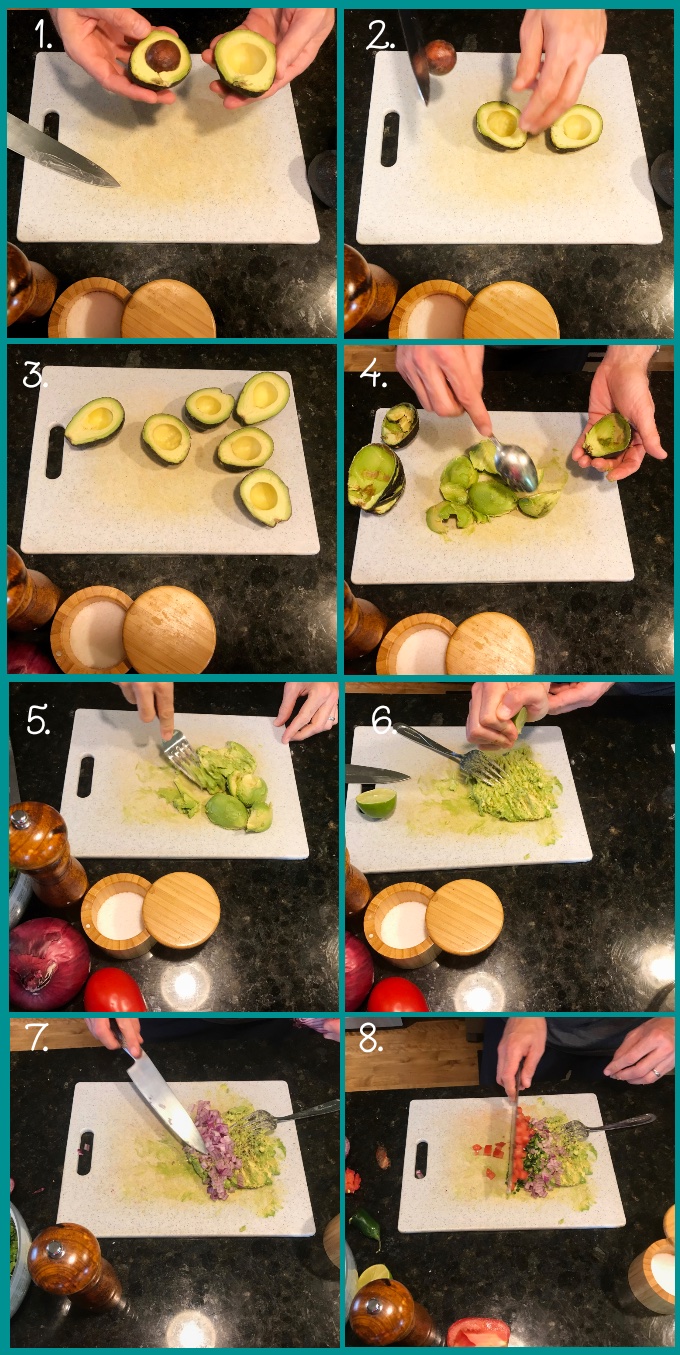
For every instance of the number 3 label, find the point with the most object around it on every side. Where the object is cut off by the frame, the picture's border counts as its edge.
(35, 371)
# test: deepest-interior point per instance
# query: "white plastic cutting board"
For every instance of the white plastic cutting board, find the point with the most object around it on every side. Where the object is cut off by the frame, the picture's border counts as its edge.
(126, 1195)
(454, 1194)
(110, 821)
(400, 843)
(450, 186)
(121, 499)
(583, 538)
(189, 172)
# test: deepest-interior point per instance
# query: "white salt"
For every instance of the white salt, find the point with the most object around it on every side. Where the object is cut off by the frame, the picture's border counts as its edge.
(404, 925)
(97, 634)
(423, 651)
(663, 1270)
(96, 315)
(439, 316)
(120, 916)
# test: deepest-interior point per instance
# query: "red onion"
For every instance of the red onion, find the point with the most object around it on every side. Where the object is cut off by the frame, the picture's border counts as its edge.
(358, 972)
(48, 964)
(24, 656)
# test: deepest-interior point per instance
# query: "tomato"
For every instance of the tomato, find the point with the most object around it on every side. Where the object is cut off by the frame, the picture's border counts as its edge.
(396, 995)
(476, 1147)
(486, 1330)
(491, 1175)
(498, 1152)
(487, 1150)
(112, 990)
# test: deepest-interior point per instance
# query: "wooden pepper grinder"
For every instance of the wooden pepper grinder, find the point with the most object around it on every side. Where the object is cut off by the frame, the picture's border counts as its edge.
(31, 289)
(384, 1313)
(370, 293)
(38, 846)
(357, 888)
(32, 599)
(65, 1259)
(365, 625)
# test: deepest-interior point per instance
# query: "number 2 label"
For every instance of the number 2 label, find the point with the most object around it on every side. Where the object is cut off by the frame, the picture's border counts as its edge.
(374, 45)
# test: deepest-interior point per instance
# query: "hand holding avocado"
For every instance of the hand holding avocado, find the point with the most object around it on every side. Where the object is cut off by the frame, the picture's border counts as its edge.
(447, 381)
(494, 707)
(275, 45)
(621, 385)
(570, 39)
(102, 40)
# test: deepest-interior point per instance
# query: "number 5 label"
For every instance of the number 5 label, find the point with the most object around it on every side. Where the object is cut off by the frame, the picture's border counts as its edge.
(40, 726)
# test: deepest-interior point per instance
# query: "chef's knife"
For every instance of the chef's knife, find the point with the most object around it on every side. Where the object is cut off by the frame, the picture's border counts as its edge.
(35, 145)
(415, 47)
(513, 1132)
(157, 1094)
(371, 776)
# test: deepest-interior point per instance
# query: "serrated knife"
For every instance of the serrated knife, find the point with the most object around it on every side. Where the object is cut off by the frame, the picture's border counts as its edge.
(356, 775)
(155, 1091)
(35, 145)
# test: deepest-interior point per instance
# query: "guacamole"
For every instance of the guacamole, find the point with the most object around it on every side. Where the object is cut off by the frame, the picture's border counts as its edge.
(526, 793)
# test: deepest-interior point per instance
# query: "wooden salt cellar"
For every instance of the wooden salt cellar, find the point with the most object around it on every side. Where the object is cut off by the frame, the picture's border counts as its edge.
(370, 293)
(383, 1313)
(31, 289)
(65, 1259)
(38, 847)
(32, 599)
(365, 625)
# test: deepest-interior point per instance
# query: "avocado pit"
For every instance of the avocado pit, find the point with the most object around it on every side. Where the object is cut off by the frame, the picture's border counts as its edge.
(163, 56)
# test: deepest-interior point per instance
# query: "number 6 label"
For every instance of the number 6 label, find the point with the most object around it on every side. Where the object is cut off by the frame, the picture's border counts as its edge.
(382, 721)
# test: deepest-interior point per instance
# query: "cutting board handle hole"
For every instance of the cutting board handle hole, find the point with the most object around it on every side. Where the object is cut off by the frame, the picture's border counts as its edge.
(390, 140)
(85, 777)
(85, 1153)
(420, 1167)
(51, 125)
(55, 453)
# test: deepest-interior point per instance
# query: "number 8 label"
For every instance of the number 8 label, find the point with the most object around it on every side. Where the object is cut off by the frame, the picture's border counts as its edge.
(367, 1032)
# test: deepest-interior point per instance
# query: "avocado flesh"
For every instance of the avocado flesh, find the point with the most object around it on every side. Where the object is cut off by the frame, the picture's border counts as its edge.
(159, 61)
(580, 126)
(168, 437)
(248, 787)
(266, 497)
(499, 122)
(245, 448)
(491, 500)
(610, 436)
(97, 421)
(259, 819)
(456, 478)
(246, 62)
(400, 425)
(537, 505)
(438, 518)
(262, 397)
(209, 407)
(225, 811)
(483, 456)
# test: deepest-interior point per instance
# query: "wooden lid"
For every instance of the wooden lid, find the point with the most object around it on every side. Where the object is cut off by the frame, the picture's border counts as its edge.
(57, 325)
(167, 309)
(669, 1224)
(96, 896)
(510, 310)
(464, 917)
(401, 314)
(181, 910)
(60, 631)
(386, 662)
(169, 630)
(490, 642)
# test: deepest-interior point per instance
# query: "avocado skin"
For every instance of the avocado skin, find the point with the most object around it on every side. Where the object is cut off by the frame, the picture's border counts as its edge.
(233, 87)
(98, 442)
(322, 177)
(244, 422)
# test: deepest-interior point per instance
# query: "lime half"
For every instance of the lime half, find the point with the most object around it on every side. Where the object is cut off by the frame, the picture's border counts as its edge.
(378, 803)
(373, 1273)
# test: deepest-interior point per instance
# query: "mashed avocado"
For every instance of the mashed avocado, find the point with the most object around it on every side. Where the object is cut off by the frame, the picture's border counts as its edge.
(527, 791)
(217, 767)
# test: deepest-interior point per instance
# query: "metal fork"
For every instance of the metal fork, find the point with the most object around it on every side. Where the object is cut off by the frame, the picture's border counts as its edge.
(262, 1119)
(583, 1130)
(184, 759)
(475, 765)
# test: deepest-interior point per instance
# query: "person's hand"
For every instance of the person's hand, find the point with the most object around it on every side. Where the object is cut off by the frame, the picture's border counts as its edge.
(525, 1038)
(319, 711)
(646, 1054)
(621, 383)
(566, 696)
(297, 35)
(493, 706)
(571, 39)
(152, 699)
(100, 39)
(447, 380)
(128, 1026)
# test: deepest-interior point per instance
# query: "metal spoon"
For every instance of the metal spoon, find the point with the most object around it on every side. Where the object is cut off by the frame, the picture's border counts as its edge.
(582, 1131)
(515, 466)
(264, 1120)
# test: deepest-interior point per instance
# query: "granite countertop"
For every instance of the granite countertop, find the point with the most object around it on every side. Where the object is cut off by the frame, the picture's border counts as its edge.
(566, 1290)
(253, 290)
(275, 948)
(259, 1292)
(300, 590)
(576, 628)
(595, 936)
(623, 291)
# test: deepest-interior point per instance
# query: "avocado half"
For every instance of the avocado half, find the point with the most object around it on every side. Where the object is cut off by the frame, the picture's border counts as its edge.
(499, 122)
(610, 436)
(159, 61)
(266, 497)
(376, 479)
(400, 425)
(97, 421)
(245, 448)
(168, 437)
(579, 126)
(208, 407)
(262, 397)
(246, 62)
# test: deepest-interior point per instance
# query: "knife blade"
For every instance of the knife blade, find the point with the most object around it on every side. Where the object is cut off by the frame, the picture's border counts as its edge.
(513, 1131)
(378, 776)
(35, 145)
(155, 1091)
(415, 47)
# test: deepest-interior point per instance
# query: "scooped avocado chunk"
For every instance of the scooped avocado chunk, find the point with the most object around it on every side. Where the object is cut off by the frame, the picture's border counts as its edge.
(499, 122)
(225, 811)
(262, 397)
(248, 787)
(491, 499)
(458, 475)
(97, 421)
(579, 126)
(376, 479)
(245, 447)
(610, 436)
(209, 407)
(537, 505)
(159, 61)
(483, 456)
(400, 425)
(259, 819)
(246, 62)
(168, 437)
(266, 497)
(438, 518)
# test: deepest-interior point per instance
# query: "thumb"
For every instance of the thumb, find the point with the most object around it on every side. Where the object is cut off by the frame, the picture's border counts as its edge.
(132, 24)
(648, 431)
(531, 45)
(293, 40)
(514, 699)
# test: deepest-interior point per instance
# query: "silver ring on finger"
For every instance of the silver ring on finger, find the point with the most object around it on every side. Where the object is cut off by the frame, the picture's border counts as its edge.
(330, 720)
(656, 1072)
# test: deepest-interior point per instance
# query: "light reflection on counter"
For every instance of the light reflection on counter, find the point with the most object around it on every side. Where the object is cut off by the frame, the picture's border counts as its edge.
(479, 992)
(190, 1330)
(186, 987)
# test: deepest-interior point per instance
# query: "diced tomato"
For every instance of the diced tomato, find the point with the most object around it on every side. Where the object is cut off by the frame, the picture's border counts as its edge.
(491, 1175)
(500, 1144)
(478, 1331)
(498, 1152)
(476, 1147)
(488, 1149)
